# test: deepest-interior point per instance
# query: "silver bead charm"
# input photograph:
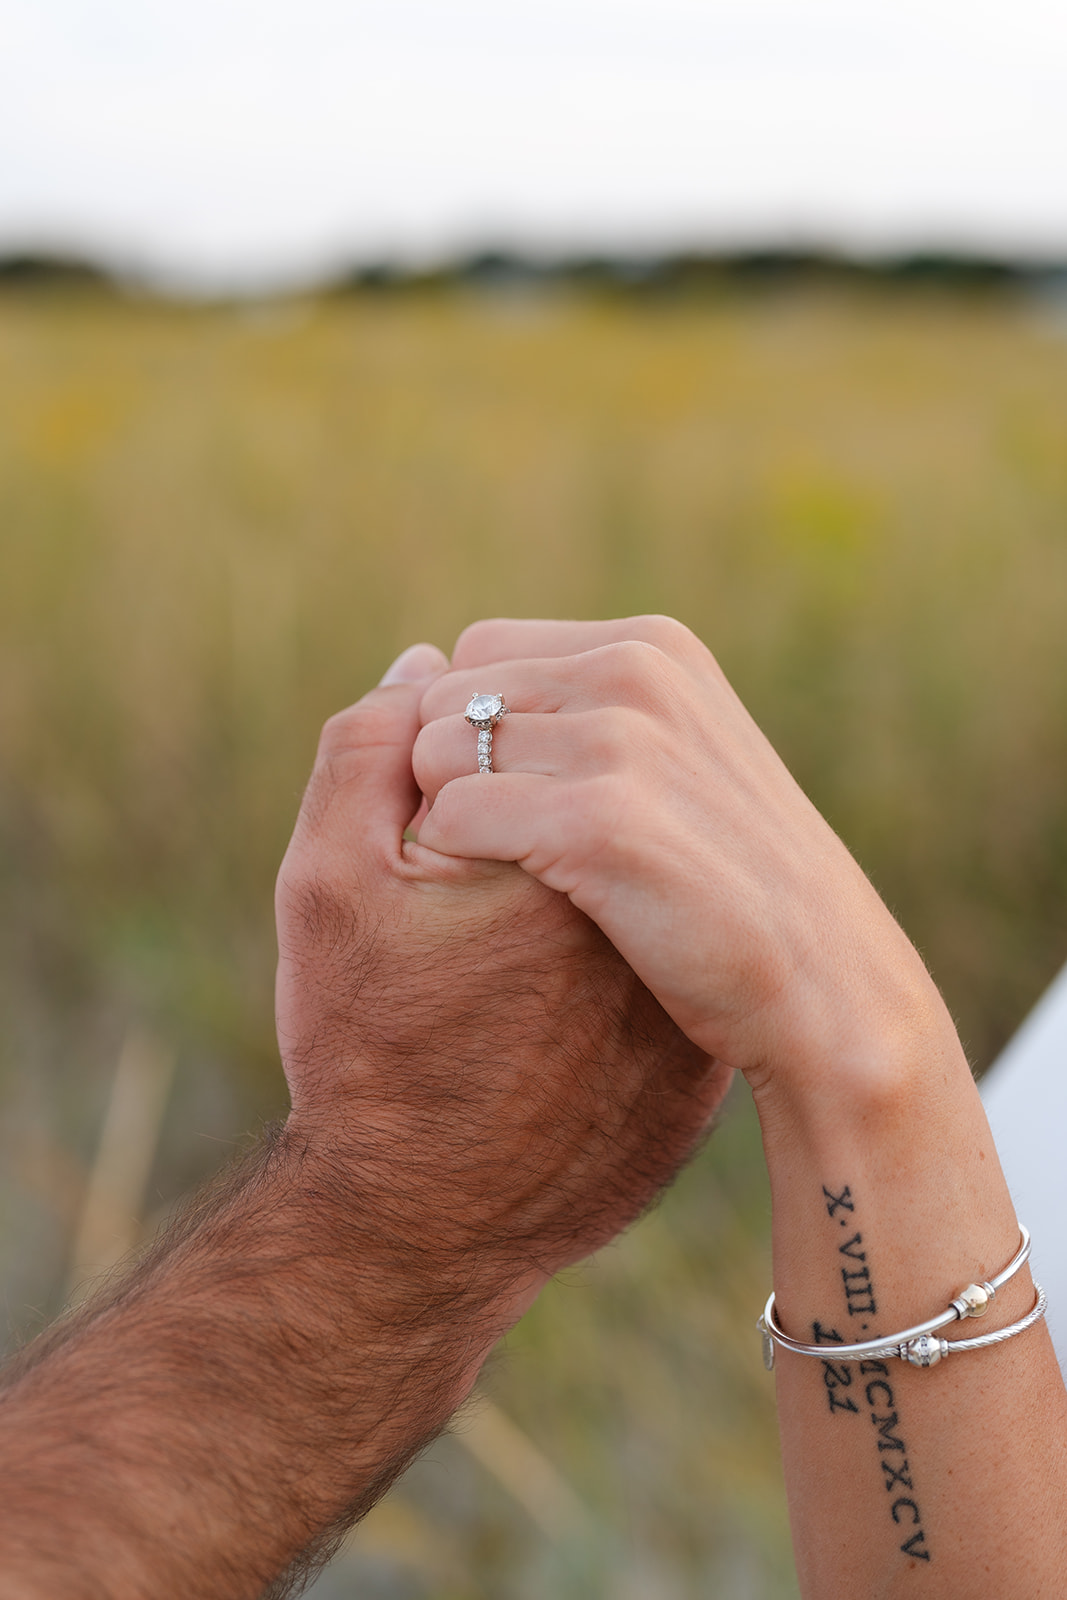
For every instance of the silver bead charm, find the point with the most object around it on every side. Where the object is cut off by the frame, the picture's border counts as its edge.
(926, 1351)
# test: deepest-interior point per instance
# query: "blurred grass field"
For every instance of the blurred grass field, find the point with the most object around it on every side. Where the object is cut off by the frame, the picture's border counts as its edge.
(218, 525)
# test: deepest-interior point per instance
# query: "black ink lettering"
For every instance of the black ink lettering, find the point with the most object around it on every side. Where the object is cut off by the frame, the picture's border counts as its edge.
(838, 1377)
(858, 1311)
(858, 1288)
(911, 1546)
(893, 1477)
(841, 1201)
(858, 1284)
(888, 1440)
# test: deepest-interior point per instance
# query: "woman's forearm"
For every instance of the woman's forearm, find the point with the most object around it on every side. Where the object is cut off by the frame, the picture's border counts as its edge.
(635, 781)
(888, 1201)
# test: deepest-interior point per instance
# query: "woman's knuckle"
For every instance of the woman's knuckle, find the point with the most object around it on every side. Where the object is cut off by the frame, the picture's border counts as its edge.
(634, 668)
(666, 633)
(632, 656)
(676, 641)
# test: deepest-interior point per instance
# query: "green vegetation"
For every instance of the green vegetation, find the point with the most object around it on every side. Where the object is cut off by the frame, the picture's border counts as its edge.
(219, 525)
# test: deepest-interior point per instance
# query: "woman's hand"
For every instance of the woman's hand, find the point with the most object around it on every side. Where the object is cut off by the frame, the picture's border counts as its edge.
(632, 779)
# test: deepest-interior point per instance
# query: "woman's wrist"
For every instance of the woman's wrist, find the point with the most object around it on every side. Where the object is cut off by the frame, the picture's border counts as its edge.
(893, 1148)
(859, 1059)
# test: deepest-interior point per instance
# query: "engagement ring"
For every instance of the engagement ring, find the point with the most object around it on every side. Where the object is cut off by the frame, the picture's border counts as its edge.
(483, 713)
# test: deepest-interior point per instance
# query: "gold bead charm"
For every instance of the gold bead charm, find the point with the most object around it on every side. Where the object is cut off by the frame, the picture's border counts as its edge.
(974, 1300)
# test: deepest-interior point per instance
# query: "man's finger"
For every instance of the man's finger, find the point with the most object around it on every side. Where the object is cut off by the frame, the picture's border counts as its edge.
(413, 665)
(362, 793)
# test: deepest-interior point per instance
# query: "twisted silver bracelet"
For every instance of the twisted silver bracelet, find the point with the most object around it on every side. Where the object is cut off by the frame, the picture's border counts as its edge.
(919, 1344)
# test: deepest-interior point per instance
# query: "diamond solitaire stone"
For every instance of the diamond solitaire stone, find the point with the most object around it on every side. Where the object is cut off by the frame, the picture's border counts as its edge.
(485, 708)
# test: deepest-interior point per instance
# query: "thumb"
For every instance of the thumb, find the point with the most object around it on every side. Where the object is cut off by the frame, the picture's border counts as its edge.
(417, 664)
(362, 793)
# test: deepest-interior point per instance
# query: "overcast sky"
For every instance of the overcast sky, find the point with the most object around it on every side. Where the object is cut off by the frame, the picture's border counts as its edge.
(236, 139)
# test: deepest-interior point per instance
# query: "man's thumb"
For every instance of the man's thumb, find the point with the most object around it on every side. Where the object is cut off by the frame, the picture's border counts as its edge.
(362, 792)
(418, 661)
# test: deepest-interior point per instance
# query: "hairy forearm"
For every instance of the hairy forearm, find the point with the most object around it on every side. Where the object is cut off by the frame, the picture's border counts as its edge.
(250, 1387)
(888, 1201)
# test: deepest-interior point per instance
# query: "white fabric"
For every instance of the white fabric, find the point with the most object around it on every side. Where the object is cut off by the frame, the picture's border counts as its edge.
(1025, 1095)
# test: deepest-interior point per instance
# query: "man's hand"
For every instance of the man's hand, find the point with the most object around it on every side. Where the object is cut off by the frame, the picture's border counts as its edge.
(482, 1091)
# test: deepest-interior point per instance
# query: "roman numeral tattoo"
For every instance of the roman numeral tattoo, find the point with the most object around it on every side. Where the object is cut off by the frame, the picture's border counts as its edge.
(876, 1395)
(837, 1201)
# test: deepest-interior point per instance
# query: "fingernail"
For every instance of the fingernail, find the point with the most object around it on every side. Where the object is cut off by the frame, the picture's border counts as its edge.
(417, 661)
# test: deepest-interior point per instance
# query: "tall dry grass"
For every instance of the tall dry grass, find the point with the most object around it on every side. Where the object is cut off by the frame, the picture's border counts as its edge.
(219, 525)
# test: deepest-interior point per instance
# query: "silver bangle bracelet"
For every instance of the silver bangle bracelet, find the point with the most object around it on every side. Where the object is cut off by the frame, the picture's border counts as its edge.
(917, 1344)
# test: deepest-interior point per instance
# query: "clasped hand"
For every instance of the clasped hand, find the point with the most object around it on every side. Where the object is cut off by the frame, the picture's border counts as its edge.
(520, 1025)
(503, 1092)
